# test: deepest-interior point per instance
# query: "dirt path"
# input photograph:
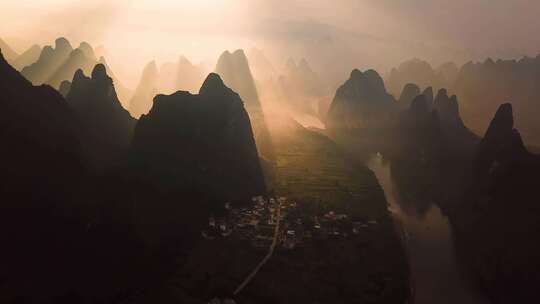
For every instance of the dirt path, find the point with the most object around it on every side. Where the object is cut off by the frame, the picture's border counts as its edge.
(266, 257)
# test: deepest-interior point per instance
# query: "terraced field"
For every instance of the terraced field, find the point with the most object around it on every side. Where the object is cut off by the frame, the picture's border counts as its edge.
(311, 168)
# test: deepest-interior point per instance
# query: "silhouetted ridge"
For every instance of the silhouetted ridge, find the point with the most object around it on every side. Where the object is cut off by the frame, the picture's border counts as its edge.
(428, 92)
(483, 86)
(100, 72)
(65, 86)
(502, 124)
(49, 62)
(234, 69)
(87, 50)
(447, 108)
(107, 126)
(419, 105)
(213, 84)
(199, 147)
(500, 209)
(124, 94)
(409, 93)
(361, 102)
(81, 58)
(375, 81)
(40, 172)
(236, 74)
(420, 73)
(75, 226)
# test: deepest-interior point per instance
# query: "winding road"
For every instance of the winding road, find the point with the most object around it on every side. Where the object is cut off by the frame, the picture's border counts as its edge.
(266, 257)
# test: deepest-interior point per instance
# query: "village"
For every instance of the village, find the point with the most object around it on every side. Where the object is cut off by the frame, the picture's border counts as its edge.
(281, 219)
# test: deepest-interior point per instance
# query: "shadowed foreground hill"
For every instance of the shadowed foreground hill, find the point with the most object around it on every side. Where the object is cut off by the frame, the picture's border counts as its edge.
(62, 232)
(195, 145)
(40, 169)
(107, 126)
(40, 136)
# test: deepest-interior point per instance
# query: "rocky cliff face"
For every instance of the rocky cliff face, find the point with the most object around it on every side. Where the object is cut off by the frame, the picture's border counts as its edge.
(235, 71)
(461, 140)
(420, 131)
(107, 126)
(361, 103)
(141, 102)
(493, 224)
(124, 94)
(198, 148)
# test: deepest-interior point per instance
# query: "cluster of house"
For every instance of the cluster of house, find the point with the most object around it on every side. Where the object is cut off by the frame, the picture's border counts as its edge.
(257, 224)
(331, 225)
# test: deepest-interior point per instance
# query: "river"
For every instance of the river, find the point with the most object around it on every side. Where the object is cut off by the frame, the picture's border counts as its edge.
(435, 273)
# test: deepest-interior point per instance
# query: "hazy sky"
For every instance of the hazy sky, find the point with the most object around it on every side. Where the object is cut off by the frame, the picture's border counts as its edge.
(362, 33)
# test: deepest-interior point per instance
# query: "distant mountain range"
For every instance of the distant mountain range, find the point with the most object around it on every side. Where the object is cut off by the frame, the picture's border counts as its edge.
(482, 87)
(169, 78)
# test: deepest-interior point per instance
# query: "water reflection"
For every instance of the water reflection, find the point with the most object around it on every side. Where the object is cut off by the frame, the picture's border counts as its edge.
(435, 272)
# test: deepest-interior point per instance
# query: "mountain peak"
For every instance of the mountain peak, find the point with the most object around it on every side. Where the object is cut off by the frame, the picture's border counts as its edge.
(428, 92)
(99, 72)
(356, 74)
(79, 75)
(62, 44)
(375, 80)
(240, 53)
(502, 123)
(408, 94)
(213, 83)
(419, 104)
(87, 50)
(443, 93)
